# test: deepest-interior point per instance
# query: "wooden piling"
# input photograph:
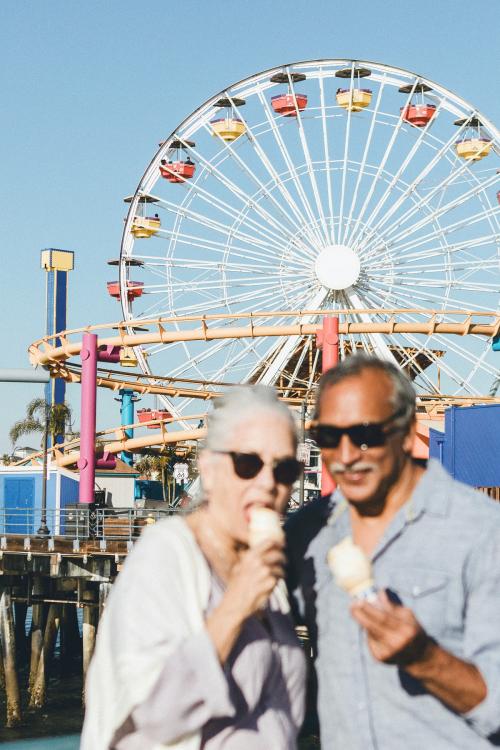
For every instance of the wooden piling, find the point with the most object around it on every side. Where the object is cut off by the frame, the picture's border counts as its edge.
(20, 611)
(39, 689)
(104, 591)
(37, 623)
(88, 641)
(71, 648)
(8, 642)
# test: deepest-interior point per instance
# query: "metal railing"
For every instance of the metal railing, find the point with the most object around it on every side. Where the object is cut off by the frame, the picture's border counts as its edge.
(82, 522)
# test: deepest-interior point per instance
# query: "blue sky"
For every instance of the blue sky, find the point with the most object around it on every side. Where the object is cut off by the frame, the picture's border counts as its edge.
(88, 90)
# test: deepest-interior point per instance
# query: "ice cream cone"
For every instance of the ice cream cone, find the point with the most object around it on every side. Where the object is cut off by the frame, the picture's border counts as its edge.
(352, 570)
(264, 525)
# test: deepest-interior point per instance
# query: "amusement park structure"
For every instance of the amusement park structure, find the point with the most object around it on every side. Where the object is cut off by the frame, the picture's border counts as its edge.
(299, 215)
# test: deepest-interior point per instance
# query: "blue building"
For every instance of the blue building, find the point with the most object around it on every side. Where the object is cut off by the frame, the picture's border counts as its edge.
(469, 447)
(21, 497)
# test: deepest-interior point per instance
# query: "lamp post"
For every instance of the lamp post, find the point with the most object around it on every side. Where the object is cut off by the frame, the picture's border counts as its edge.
(44, 529)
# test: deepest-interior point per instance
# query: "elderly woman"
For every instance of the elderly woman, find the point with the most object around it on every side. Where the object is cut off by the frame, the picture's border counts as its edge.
(196, 648)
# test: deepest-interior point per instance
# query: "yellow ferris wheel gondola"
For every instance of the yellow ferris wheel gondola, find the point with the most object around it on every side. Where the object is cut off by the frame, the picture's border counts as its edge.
(473, 146)
(144, 226)
(230, 127)
(353, 99)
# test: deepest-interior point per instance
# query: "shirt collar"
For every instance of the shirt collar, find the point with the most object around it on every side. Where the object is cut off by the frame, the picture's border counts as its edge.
(431, 495)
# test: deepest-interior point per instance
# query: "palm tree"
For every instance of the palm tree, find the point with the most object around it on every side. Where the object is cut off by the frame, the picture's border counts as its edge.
(58, 417)
(156, 465)
(5, 459)
(145, 466)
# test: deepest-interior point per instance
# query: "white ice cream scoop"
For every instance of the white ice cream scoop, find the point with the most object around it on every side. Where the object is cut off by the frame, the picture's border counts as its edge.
(264, 525)
(352, 570)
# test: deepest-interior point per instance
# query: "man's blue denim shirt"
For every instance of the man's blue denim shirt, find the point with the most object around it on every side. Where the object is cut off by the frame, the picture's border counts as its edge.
(441, 557)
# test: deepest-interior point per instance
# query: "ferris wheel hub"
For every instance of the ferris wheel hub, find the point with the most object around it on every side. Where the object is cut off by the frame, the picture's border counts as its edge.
(337, 267)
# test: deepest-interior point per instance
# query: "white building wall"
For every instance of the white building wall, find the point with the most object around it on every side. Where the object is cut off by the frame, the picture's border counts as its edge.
(119, 490)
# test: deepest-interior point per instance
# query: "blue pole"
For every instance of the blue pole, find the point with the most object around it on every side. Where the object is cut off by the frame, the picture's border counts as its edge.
(57, 264)
(127, 417)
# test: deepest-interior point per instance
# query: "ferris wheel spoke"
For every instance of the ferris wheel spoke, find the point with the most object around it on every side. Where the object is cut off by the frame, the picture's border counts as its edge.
(267, 164)
(284, 349)
(312, 230)
(411, 187)
(269, 297)
(474, 191)
(215, 285)
(406, 280)
(444, 365)
(226, 208)
(327, 158)
(381, 167)
(398, 174)
(346, 152)
(471, 358)
(436, 252)
(307, 156)
(423, 295)
(480, 364)
(269, 234)
(241, 194)
(260, 268)
(377, 340)
(271, 170)
(211, 224)
(442, 231)
(361, 171)
(292, 378)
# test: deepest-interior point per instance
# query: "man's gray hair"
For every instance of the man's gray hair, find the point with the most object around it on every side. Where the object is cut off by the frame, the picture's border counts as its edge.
(403, 395)
(240, 403)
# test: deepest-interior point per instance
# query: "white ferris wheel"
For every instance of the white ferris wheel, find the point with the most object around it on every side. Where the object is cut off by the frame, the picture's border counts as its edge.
(319, 185)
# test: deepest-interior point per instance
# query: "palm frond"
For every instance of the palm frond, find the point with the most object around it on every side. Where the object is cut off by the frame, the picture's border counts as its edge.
(24, 427)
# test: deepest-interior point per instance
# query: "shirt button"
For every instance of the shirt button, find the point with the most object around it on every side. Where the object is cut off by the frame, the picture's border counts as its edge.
(416, 590)
(361, 706)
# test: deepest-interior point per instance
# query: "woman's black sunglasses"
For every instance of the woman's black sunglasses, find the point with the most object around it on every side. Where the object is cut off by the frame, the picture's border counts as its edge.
(364, 436)
(248, 465)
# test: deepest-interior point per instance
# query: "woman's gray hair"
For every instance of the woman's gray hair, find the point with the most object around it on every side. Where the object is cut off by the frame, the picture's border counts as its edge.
(403, 395)
(238, 404)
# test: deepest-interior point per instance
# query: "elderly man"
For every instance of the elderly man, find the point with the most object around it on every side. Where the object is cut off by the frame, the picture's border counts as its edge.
(419, 668)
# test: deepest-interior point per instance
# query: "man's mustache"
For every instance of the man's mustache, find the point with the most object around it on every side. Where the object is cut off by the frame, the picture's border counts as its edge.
(336, 467)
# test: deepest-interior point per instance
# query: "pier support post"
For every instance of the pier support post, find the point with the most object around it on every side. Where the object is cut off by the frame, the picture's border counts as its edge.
(104, 591)
(39, 690)
(70, 639)
(37, 612)
(88, 640)
(8, 643)
(20, 612)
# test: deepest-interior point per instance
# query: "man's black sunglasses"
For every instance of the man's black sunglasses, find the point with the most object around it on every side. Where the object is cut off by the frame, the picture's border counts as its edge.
(365, 435)
(248, 465)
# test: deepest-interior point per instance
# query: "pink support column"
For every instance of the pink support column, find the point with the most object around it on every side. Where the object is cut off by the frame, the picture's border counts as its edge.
(86, 462)
(329, 341)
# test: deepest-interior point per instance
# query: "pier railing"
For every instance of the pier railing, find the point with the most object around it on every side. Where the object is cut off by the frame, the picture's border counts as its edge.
(81, 522)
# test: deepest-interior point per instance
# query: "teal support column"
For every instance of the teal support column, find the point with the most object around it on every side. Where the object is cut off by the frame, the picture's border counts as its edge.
(127, 411)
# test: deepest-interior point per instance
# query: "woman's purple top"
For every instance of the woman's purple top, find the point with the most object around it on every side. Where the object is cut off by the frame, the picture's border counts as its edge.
(254, 702)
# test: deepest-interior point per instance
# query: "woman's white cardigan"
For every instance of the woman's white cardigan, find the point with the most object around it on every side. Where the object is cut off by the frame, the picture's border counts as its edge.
(158, 599)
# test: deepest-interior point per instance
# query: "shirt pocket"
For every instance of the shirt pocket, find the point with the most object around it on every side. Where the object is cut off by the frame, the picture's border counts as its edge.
(425, 592)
